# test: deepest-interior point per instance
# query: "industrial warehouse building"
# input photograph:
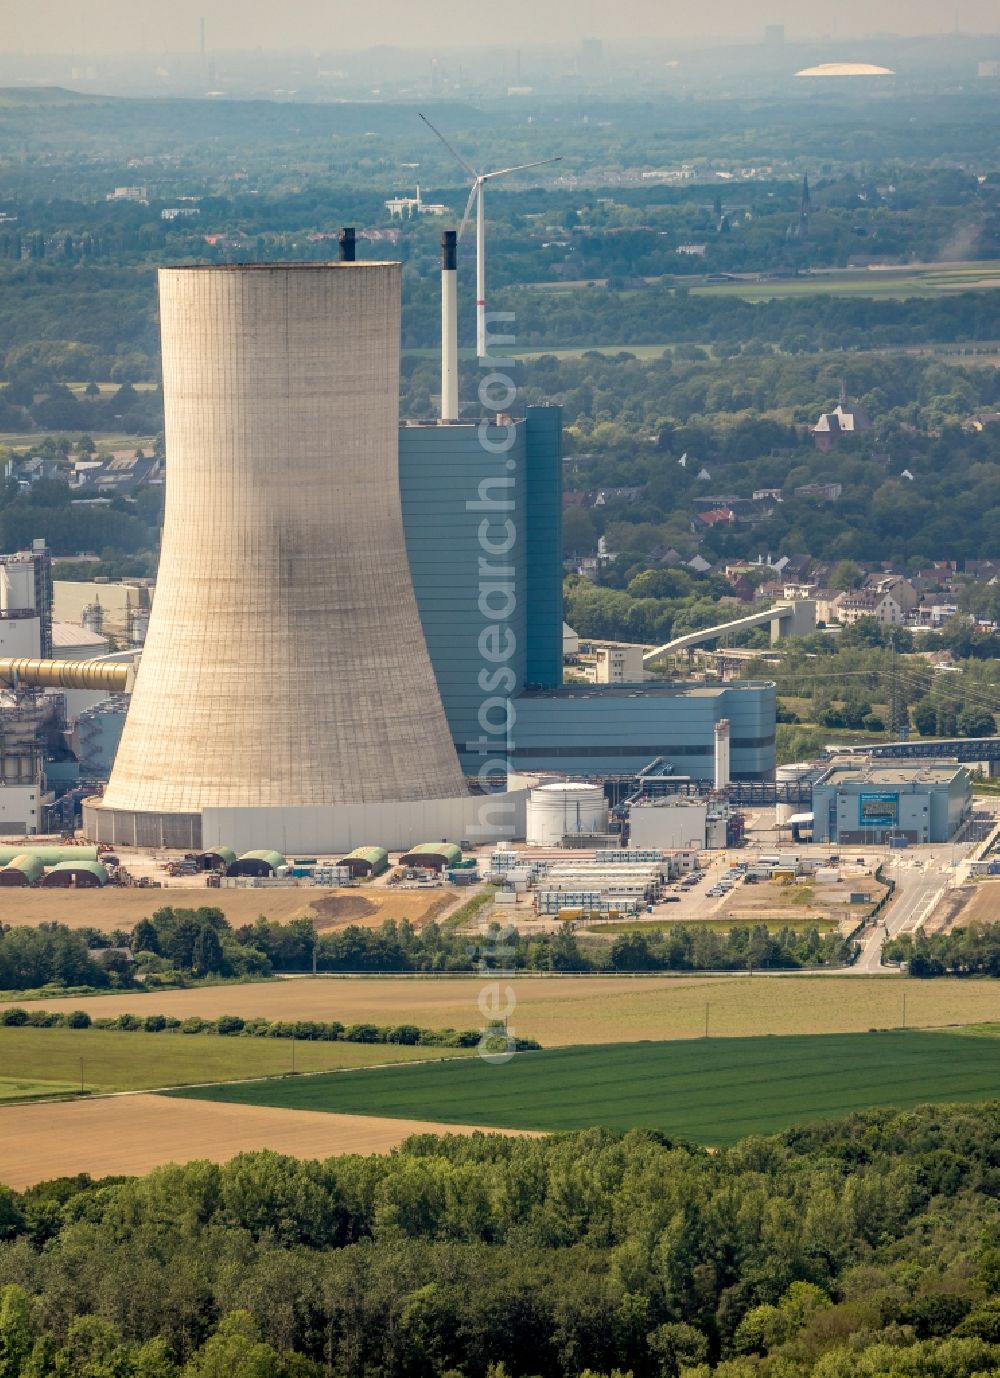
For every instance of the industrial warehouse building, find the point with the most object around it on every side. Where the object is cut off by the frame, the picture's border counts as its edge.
(871, 803)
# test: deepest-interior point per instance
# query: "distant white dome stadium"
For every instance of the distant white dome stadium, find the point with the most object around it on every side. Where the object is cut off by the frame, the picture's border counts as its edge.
(846, 69)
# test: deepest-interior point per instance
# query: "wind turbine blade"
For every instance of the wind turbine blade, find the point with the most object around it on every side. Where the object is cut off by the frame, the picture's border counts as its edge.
(453, 151)
(523, 167)
(468, 207)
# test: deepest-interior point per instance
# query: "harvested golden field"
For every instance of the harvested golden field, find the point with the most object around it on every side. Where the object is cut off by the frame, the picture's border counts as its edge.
(113, 908)
(130, 1135)
(581, 1010)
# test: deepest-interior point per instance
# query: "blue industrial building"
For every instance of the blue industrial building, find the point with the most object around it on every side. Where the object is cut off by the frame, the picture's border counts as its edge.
(462, 486)
(872, 802)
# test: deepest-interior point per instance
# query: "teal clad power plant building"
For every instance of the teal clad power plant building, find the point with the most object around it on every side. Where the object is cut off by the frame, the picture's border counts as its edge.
(578, 729)
(484, 525)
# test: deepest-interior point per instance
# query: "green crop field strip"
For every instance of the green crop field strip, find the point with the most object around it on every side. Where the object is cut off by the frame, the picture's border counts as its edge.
(115, 1061)
(27, 1088)
(930, 281)
(711, 1090)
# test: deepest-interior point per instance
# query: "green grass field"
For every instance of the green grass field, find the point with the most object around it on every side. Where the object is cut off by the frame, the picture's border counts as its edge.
(115, 1061)
(711, 1090)
(24, 1088)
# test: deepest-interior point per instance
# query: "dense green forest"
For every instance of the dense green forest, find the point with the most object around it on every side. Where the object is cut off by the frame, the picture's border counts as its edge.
(867, 1247)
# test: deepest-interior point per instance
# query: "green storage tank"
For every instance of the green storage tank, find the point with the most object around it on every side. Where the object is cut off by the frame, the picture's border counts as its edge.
(366, 861)
(260, 862)
(23, 870)
(436, 855)
(77, 875)
(48, 856)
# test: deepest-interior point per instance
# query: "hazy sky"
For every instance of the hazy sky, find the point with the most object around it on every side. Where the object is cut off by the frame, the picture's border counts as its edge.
(155, 26)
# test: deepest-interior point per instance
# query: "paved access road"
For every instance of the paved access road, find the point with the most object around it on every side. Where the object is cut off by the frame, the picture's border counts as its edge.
(920, 889)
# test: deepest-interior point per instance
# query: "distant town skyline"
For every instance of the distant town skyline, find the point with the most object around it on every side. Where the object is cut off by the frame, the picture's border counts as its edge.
(121, 26)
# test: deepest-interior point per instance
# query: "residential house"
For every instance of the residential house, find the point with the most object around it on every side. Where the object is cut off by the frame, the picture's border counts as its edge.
(826, 605)
(845, 419)
(935, 614)
(898, 586)
(983, 571)
(718, 516)
(852, 606)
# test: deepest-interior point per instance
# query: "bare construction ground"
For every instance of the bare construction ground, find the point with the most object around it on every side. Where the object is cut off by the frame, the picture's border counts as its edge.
(983, 906)
(803, 900)
(575, 1010)
(109, 909)
(130, 1135)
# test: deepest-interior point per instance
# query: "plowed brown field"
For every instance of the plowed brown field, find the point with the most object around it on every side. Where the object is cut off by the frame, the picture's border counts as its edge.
(130, 1135)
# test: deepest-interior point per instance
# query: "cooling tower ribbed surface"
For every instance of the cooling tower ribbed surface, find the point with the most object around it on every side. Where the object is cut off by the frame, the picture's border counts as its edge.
(285, 662)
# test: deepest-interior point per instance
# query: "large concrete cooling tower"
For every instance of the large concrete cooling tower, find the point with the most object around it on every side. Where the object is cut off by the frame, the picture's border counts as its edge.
(285, 667)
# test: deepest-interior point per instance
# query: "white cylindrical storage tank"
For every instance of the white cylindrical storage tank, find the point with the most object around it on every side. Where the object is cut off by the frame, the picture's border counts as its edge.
(93, 618)
(559, 810)
(790, 774)
(783, 812)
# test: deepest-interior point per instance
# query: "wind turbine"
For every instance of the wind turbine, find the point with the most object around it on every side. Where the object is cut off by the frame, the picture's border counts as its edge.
(479, 180)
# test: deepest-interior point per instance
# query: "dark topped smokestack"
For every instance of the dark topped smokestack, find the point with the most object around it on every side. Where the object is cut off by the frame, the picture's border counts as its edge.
(449, 326)
(347, 244)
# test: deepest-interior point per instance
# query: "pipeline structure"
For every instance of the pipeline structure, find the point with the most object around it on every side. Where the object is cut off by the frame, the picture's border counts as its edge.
(24, 673)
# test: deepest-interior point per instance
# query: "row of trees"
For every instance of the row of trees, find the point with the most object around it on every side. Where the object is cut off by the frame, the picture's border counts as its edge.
(177, 945)
(862, 1247)
(234, 1026)
(967, 951)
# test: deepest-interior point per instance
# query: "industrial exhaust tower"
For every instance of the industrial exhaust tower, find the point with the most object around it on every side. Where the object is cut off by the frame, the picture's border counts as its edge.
(285, 694)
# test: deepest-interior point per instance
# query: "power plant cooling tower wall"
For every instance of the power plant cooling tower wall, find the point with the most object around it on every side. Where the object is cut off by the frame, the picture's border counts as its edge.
(284, 663)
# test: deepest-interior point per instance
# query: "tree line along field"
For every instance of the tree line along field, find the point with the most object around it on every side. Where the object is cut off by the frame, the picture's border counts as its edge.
(563, 1010)
(104, 1060)
(713, 1091)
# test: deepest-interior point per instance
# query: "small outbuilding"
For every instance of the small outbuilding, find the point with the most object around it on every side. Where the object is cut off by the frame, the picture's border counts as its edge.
(76, 875)
(257, 863)
(218, 859)
(366, 861)
(433, 856)
(22, 871)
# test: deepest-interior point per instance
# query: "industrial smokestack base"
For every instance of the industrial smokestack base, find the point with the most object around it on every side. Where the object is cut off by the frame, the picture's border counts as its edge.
(285, 665)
